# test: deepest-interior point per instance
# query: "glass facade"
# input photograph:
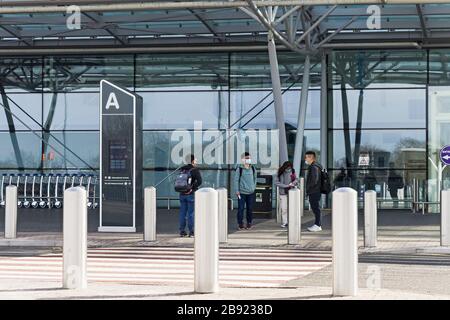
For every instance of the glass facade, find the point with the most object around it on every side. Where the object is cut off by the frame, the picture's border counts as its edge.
(384, 132)
(388, 112)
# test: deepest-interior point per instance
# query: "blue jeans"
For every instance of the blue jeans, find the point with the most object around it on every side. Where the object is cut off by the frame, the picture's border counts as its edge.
(314, 199)
(246, 200)
(187, 211)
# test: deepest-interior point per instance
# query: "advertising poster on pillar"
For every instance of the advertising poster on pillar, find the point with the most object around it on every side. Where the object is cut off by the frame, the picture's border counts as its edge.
(121, 158)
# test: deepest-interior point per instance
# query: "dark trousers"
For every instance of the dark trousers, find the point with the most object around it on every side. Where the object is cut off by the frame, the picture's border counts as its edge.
(246, 200)
(394, 196)
(314, 199)
(187, 203)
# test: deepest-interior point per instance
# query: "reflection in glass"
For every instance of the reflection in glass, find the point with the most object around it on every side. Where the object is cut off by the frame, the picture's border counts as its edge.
(20, 150)
(71, 73)
(168, 110)
(405, 148)
(375, 69)
(185, 71)
(252, 70)
(383, 108)
(439, 66)
(30, 103)
(21, 74)
(85, 145)
(71, 111)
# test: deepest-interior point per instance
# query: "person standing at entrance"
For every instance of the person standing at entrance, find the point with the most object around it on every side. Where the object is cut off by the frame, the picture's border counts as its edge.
(395, 182)
(285, 180)
(313, 188)
(245, 186)
(186, 183)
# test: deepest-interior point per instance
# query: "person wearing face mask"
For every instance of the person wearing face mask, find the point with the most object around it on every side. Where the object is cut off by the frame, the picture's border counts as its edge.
(313, 188)
(285, 180)
(245, 186)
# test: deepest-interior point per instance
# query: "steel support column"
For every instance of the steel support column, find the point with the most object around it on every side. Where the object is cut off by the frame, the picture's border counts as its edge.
(278, 98)
(298, 153)
(12, 129)
(324, 113)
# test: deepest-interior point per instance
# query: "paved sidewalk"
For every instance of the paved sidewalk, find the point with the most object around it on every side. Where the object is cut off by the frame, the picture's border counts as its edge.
(397, 231)
(52, 290)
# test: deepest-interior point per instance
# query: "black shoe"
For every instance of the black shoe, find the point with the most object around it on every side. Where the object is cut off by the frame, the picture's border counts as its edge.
(183, 234)
(241, 227)
(191, 234)
(249, 226)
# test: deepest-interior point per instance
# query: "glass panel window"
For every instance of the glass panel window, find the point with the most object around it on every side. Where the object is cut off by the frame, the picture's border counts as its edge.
(21, 74)
(74, 73)
(20, 149)
(170, 110)
(72, 111)
(255, 109)
(26, 111)
(380, 149)
(84, 145)
(377, 69)
(182, 71)
(252, 70)
(439, 67)
(399, 108)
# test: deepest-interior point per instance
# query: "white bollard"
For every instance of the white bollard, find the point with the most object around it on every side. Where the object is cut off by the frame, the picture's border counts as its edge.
(294, 216)
(223, 215)
(11, 212)
(302, 195)
(445, 218)
(345, 242)
(278, 208)
(75, 238)
(150, 214)
(206, 244)
(370, 219)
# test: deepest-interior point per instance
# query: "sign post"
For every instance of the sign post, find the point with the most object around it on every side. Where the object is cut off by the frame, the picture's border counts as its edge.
(120, 159)
(445, 155)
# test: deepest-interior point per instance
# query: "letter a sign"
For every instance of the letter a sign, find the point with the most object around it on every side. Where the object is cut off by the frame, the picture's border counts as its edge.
(112, 101)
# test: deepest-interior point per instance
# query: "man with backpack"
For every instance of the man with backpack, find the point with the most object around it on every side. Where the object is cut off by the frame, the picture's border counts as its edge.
(186, 183)
(317, 182)
(245, 186)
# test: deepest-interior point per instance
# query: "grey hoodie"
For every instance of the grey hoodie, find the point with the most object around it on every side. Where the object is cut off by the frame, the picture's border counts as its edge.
(283, 182)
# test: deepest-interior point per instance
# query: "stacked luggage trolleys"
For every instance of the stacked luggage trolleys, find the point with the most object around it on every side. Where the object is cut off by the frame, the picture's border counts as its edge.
(46, 190)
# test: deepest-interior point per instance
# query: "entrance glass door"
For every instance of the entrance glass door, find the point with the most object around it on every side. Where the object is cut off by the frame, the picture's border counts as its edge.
(439, 136)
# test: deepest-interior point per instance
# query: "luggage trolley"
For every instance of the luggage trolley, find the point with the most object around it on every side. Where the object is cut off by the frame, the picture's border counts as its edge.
(49, 203)
(26, 202)
(81, 177)
(34, 202)
(2, 194)
(94, 193)
(42, 202)
(90, 187)
(57, 200)
(19, 198)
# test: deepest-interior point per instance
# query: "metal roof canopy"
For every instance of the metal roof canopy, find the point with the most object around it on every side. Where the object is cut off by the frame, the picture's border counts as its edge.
(39, 27)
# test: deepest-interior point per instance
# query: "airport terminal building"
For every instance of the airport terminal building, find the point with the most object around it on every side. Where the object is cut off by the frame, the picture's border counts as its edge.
(366, 85)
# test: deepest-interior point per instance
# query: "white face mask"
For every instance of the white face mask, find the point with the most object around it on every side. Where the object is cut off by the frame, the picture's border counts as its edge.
(248, 161)
(306, 162)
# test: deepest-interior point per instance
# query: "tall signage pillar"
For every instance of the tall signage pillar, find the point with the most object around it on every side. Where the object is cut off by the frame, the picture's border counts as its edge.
(120, 159)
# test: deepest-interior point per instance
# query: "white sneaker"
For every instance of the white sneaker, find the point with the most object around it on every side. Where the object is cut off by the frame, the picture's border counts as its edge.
(314, 228)
(284, 225)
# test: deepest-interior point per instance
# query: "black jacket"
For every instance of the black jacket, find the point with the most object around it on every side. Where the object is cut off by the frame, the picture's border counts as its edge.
(313, 179)
(196, 176)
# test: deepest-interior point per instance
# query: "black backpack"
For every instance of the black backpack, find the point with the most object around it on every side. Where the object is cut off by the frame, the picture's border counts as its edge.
(183, 181)
(325, 184)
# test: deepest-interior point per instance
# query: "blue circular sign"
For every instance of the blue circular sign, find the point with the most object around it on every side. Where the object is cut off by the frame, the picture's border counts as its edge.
(445, 155)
